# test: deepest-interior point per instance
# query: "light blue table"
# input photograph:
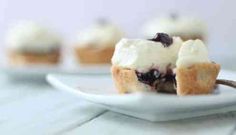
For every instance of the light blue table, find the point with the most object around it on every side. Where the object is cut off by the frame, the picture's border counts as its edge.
(36, 108)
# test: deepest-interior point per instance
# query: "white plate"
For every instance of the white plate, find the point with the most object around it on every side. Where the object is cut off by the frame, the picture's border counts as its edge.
(39, 72)
(149, 106)
(68, 64)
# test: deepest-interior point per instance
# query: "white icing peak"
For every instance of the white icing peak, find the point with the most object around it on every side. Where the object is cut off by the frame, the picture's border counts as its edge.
(177, 26)
(192, 52)
(144, 54)
(101, 35)
(31, 36)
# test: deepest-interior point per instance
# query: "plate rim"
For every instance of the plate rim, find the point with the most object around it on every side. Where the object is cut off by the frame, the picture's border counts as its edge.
(55, 82)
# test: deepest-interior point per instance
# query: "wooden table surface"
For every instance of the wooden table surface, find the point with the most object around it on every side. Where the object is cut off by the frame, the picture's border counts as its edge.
(29, 108)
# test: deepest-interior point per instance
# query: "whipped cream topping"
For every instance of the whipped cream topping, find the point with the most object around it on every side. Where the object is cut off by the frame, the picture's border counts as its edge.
(177, 26)
(143, 55)
(100, 34)
(30, 36)
(192, 52)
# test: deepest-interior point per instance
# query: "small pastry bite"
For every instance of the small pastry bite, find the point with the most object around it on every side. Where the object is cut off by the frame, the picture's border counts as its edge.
(96, 44)
(146, 65)
(174, 25)
(29, 43)
(195, 73)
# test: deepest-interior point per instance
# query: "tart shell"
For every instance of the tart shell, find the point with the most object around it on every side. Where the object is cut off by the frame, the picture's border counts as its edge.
(16, 58)
(126, 80)
(89, 55)
(197, 79)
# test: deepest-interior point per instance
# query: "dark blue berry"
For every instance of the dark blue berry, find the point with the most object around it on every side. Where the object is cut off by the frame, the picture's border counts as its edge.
(165, 39)
(148, 77)
(160, 82)
(174, 16)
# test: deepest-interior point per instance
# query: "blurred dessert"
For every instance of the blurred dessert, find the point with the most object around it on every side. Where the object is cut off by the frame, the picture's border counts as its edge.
(96, 44)
(195, 73)
(146, 65)
(29, 43)
(174, 25)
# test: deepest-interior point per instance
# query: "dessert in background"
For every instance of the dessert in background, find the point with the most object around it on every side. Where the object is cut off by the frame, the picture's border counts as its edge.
(96, 44)
(174, 25)
(149, 65)
(195, 73)
(146, 65)
(29, 43)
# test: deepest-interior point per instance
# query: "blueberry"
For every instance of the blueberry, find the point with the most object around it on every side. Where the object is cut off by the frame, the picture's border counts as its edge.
(174, 16)
(102, 21)
(161, 82)
(148, 77)
(165, 39)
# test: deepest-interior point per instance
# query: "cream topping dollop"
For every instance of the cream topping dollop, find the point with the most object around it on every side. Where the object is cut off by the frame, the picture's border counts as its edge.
(100, 35)
(176, 26)
(192, 52)
(31, 36)
(143, 55)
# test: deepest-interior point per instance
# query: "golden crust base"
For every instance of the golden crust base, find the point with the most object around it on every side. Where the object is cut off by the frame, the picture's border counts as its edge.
(197, 79)
(31, 59)
(88, 55)
(194, 80)
(126, 80)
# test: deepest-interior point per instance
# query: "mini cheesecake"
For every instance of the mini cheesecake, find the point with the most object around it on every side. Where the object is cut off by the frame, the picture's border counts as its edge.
(195, 73)
(146, 65)
(29, 43)
(96, 44)
(185, 27)
(163, 64)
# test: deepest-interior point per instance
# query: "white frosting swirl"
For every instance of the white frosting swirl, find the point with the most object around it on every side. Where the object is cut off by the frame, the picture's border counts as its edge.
(179, 26)
(191, 52)
(144, 54)
(100, 35)
(30, 36)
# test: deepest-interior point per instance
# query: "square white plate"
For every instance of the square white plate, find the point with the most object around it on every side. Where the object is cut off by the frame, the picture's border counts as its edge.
(149, 106)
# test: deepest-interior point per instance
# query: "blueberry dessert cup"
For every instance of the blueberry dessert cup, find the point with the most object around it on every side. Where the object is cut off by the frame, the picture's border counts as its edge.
(175, 25)
(96, 44)
(29, 43)
(163, 64)
(146, 65)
